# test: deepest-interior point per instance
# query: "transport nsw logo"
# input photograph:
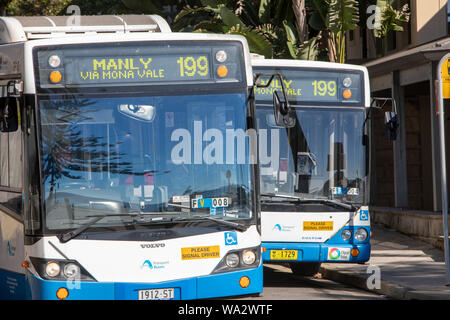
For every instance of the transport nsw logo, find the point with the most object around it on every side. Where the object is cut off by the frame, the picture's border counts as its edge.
(282, 228)
(155, 265)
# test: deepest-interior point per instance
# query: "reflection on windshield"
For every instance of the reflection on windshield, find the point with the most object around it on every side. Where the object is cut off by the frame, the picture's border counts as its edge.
(321, 157)
(122, 155)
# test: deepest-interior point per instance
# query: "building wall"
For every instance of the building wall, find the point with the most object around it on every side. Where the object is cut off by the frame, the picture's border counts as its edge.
(354, 45)
(383, 195)
(428, 20)
(418, 152)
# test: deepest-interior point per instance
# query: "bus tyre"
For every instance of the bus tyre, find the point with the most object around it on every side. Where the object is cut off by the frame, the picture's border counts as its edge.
(304, 268)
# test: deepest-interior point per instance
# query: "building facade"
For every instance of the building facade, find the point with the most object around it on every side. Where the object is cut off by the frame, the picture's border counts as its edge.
(406, 175)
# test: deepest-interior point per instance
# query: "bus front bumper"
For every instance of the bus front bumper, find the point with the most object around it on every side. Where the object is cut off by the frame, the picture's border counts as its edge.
(319, 252)
(216, 285)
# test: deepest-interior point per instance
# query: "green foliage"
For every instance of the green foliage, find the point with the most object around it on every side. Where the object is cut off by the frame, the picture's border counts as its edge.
(389, 20)
(309, 50)
(270, 26)
(267, 25)
(42, 7)
(59, 7)
(332, 19)
(229, 17)
(343, 16)
(87, 7)
(256, 41)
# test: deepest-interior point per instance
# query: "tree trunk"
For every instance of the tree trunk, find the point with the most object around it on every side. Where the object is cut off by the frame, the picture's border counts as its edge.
(298, 6)
(329, 42)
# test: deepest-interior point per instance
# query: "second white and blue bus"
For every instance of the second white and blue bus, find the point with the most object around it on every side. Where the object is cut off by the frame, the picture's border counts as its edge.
(314, 176)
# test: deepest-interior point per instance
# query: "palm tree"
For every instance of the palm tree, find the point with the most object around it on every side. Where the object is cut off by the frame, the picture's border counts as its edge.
(332, 19)
(389, 20)
(281, 25)
(244, 17)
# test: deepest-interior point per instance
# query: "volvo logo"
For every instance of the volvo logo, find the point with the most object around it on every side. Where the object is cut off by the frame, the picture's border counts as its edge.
(152, 245)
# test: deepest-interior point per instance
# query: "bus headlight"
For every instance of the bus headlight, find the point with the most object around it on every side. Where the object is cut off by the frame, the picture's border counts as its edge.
(71, 270)
(245, 258)
(346, 234)
(60, 269)
(232, 260)
(52, 269)
(361, 234)
(248, 256)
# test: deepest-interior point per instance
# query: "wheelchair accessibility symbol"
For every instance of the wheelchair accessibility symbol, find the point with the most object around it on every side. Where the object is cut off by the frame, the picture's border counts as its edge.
(364, 215)
(230, 238)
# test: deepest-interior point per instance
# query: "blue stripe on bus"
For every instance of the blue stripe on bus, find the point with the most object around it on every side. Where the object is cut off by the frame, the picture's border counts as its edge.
(217, 285)
(318, 252)
(12, 285)
(315, 252)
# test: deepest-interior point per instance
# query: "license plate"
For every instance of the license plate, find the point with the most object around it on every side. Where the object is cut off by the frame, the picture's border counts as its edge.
(283, 254)
(157, 294)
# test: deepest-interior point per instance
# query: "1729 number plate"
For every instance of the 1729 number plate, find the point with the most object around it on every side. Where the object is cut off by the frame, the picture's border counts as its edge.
(283, 254)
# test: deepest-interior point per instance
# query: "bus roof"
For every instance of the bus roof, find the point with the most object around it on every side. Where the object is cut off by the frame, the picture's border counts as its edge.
(258, 62)
(19, 29)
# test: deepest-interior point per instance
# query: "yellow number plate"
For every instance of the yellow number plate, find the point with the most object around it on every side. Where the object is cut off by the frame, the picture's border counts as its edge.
(283, 254)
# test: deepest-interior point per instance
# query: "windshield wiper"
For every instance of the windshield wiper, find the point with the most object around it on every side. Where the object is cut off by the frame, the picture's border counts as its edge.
(64, 237)
(344, 205)
(341, 204)
(284, 196)
(234, 225)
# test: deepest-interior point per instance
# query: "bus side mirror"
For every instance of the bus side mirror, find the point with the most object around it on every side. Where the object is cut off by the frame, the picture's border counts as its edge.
(284, 115)
(8, 115)
(391, 125)
(391, 122)
(14, 88)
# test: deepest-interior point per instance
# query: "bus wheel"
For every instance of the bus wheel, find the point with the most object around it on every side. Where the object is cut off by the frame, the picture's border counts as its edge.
(304, 268)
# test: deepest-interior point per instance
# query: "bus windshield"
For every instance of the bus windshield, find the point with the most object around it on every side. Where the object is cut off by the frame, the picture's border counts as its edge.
(322, 157)
(143, 154)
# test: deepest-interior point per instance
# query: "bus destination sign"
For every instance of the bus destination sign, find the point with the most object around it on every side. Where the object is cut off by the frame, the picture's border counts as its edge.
(311, 87)
(138, 68)
(147, 63)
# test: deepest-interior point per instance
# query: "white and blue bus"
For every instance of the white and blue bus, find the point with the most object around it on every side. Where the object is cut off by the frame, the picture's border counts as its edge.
(314, 175)
(111, 186)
